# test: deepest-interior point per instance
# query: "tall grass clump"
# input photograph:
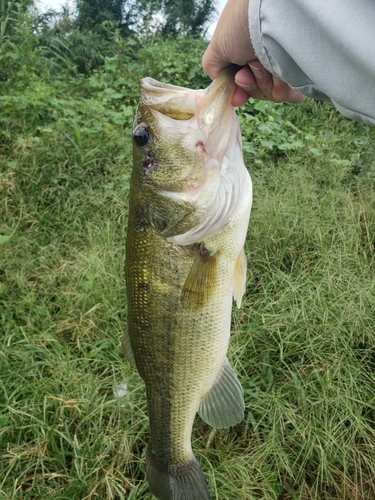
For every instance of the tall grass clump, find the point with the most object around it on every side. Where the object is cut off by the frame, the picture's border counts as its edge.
(73, 420)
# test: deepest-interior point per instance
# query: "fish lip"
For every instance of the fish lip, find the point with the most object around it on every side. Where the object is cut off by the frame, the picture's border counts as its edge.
(224, 79)
(170, 100)
(181, 103)
(149, 84)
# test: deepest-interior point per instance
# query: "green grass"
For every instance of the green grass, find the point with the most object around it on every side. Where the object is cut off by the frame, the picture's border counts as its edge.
(302, 344)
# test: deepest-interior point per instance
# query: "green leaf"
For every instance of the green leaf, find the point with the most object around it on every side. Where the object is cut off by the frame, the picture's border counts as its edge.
(4, 238)
(316, 151)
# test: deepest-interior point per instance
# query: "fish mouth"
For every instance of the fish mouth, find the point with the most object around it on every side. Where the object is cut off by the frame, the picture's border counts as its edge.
(180, 103)
(169, 100)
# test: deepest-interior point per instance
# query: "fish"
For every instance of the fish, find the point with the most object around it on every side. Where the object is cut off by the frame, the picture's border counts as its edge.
(189, 207)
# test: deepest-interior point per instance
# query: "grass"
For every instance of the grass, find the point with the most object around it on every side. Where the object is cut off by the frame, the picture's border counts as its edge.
(310, 338)
(302, 344)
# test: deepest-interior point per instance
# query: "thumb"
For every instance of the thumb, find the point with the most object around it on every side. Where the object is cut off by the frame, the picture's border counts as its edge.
(213, 62)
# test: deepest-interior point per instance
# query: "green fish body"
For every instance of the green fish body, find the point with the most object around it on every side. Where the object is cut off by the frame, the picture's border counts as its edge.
(190, 201)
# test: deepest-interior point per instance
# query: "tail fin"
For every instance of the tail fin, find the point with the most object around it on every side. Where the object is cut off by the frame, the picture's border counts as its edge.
(176, 482)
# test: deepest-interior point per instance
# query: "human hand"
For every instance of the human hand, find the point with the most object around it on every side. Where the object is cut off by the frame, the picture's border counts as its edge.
(255, 81)
(231, 44)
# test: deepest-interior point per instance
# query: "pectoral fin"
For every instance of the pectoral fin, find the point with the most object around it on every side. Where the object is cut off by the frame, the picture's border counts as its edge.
(201, 282)
(127, 348)
(239, 281)
(223, 406)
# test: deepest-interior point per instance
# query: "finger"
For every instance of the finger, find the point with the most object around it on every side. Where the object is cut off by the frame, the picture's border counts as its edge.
(231, 43)
(212, 62)
(245, 79)
(282, 92)
(272, 87)
(260, 84)
(240, 97)
(263, 79)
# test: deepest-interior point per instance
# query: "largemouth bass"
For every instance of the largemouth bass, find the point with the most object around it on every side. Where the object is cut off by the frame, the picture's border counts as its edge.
(190, 201)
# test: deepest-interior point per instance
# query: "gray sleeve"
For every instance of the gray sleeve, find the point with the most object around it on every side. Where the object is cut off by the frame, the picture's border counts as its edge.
(325, 49)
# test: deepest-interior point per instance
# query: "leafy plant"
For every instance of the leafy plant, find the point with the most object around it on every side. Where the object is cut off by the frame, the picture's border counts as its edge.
(268, 131)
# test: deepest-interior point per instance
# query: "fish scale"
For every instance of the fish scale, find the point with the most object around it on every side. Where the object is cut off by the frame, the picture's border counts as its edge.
(188, 218)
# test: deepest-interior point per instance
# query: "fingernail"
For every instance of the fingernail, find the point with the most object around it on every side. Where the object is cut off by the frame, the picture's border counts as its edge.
(276, 80)
(258, 73)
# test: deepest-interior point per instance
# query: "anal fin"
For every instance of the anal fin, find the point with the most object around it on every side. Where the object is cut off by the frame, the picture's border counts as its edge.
(223, 406)
(127, 348)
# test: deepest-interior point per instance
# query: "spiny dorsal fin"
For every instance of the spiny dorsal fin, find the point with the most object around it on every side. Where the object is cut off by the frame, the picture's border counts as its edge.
(201, 282)
(239, 281)
(223, 406)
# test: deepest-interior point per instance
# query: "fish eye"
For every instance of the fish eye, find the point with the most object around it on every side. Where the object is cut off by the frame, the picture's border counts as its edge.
(142, 136)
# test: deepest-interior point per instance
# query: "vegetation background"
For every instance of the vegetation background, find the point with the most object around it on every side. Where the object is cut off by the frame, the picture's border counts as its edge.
(73, 420)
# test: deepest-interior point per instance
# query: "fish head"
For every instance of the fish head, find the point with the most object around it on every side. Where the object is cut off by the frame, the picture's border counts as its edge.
(177, 132)
(187, 145)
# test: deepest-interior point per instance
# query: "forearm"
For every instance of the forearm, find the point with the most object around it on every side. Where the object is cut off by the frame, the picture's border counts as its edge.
(322, 48)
